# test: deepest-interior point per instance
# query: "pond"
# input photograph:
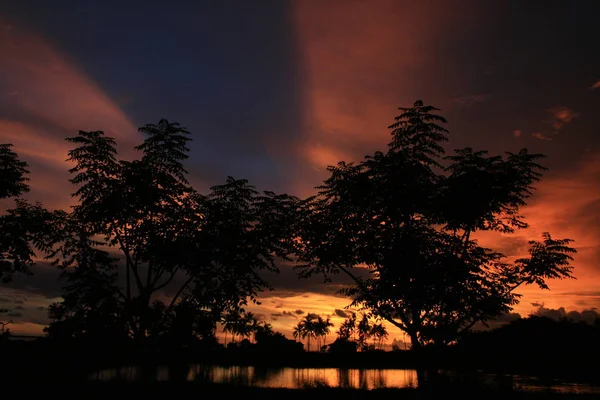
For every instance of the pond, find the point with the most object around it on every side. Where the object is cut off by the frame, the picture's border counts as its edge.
(300, 378)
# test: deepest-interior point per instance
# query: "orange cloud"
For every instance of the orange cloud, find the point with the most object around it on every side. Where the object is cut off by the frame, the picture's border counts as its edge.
(47, 99)
(541, 136)
(561, 116)
(360, 61)
(567, 206)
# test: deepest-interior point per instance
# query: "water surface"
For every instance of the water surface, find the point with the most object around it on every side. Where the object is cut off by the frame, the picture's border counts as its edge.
(300, 378)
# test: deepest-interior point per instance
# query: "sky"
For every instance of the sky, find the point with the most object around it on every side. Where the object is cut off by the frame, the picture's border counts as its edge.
(274, 91)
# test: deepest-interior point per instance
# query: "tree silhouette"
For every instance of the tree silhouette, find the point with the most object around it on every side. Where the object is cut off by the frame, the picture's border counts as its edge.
(347, 329)
(262, 329)
(186, 324)
(13, 173)
(208, 249)
(321, 330)
(268, 340)
(312, 326)
(380, 334)
(364, 329)
(4, 331)
(229, 321)
(410, 215)
(24, 227)
(90, 306)
(244, 325)
(302, 330)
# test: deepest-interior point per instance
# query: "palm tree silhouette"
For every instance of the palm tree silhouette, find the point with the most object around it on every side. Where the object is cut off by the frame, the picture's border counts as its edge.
(300, 332)
(306, 329)
(380, 334)
(263, 328)
(312, 326)
(364, 332)
(245, 326)
(229, 323)
(321, 330)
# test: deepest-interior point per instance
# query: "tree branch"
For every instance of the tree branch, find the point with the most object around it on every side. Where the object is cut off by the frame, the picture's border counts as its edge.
(130, 263)
(478, 318)
(162, 285)
(365, 290)
(174, 299)
(120, 293)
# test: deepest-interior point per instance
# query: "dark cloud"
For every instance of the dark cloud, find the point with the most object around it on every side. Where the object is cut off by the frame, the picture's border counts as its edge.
(299, 312)
(44, 282)
(497, 322)
(39, 320)
(276, 314)
(19, 302)
(342, 313)
(4, 300)
(286, 283)
(289, 314)
(19, 308)
(15, 314)
(588, 316)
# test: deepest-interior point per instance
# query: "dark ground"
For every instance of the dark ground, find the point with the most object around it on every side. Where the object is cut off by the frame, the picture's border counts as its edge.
(200, 391)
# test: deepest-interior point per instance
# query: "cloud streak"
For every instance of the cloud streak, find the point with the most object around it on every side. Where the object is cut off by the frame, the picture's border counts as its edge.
(566, 205)
(358, 72)
(541, 136)
(44, 98)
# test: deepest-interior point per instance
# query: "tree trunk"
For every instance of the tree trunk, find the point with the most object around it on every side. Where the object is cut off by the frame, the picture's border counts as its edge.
(143, 313)
(415, 344)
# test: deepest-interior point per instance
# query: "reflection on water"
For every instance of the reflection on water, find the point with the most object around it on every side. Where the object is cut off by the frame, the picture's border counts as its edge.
(299, 378)
(294, 378)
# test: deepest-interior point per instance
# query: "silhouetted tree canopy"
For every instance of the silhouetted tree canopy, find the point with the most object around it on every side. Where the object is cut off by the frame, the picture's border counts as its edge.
(313, 326)
(409, 216)
(146, 256)
(25, 226)
(139, 228)
(13, 173)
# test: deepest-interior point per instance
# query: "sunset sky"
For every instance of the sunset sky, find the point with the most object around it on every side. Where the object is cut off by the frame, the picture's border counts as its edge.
(275, 90)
